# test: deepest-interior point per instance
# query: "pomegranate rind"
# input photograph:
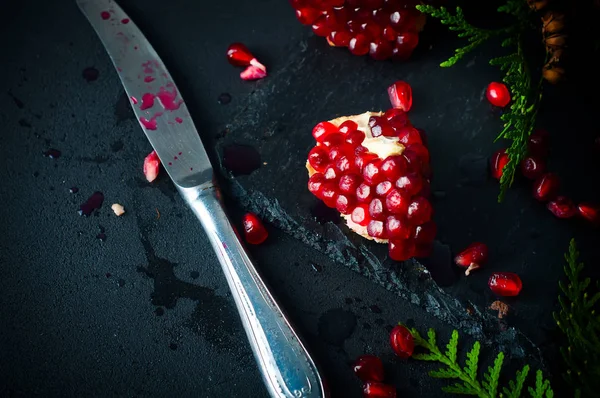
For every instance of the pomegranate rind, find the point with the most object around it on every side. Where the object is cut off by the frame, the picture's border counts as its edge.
(381, 146)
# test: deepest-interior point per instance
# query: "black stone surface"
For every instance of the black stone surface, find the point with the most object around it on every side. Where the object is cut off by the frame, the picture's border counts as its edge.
(145, 311)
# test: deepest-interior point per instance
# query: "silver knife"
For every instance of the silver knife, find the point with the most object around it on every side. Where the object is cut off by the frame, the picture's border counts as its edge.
(286, 367)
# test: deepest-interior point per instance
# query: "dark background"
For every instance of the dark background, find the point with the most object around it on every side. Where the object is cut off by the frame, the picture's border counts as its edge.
(147, 311)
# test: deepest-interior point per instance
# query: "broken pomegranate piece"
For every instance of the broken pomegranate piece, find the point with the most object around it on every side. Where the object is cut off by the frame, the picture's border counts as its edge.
(505, 284)
(239, 55)
(378, 183)
(562, 207)
(402, 341)
(151, 166)
(369, 368)
(473, 257)
(254, 230)
(400, 94)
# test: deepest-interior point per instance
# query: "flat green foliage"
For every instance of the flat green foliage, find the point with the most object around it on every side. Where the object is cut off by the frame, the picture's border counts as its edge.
(519, 119)
(467, 381)
(578, 320)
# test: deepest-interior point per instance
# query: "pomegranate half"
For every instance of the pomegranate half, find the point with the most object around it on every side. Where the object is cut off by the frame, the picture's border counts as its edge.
(374, 169)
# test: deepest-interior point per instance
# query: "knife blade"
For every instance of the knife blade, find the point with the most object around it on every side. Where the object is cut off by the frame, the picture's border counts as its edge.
(284, 363)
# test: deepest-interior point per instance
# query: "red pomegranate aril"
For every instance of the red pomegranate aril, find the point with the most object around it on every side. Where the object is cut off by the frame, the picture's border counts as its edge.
(400, 94)
(364, 193)
(151, 166)
(420, 151)
(425, 233)
(405, 44)
(315, 184)
(344, 203)
(401, 249)
(409, 135)
(394, 166)
(507, 284)
(369, 368)
(419, 211)
(378, 390)
(239, 55)
(321, 27)
(359, 44)
(498, 161)
(472, 257)
(360, 215)
(372, 173)
(333, 139)
(389, 34)
(533, 167)
(395, 112)
(397, 228)
(410, 184)
(383, 188)
(355, 138)
(590, 212)
(322, 130)
(254, 230)
(562, 207)
(329, 193)
(382, 127)
(339, 150)
(376, 229)
(380, 49)
(545, 188)
(413, 161)
(402, 341)
(400, 19)
(318, 158)
(373, 32)
(349, 182)
(347, 127)
(497, 94)
(331, 173)
(538, 143)
(307, 15)
(376, 210)
(396, 202)
(345, 164)
(340, 38)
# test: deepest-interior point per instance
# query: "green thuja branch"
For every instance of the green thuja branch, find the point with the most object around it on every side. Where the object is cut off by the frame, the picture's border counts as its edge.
(579, 322)
(466, 377)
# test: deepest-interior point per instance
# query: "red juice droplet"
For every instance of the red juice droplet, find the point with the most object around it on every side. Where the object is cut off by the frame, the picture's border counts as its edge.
(134, 100)
(147, 101)
(105, 15)
(125, 21)
(179, 120)
(170, 164)
(148, 79)
(52, 153)
(175, 158)
(135, 47)
(119, 69)
(180, 153)
(94, 202)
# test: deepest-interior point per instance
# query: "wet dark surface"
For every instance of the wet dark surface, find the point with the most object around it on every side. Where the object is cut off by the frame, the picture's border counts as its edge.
(145, 310)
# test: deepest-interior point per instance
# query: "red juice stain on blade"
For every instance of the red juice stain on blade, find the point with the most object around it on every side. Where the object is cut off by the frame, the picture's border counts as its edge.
(125, 21)
(148, 79)
(94, 202)
(179, 120)
(150, 124)
(147, 101)
(119, 69)
(167, 98)
(134, 100)
(105, 15)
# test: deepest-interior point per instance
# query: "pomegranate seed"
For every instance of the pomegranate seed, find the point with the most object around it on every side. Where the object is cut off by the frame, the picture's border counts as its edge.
(506, 284)
(425, 233)
(345, 164)
(380, 49)
(414, 162)
(321, 26)
(533, 167)
(364, 193)
(590, 212)
(340, 38)
(394, 166)
(538, 143)
(375, 229)
(340, 150)
(374, 32)
(396, 202)
(401, 19)
(562, 207)
(378, 390)
(400, 94)
(322, 130)
(331, 173)
(497, 163)
(315, 184)
(369, 368)
(333, 139)
(318, 158)
(376, 209)
(397, 228)
(364, 158)
(545, 188)
(405, 44)
(410, 184)
(380, 126)
(344, 203)
(347, 127)
(419, 151)
(399, 121)
(359, 44)
(307, 15)
(372, 173)
(419, 211)
(497, 94)
(239, 55)
(349, 182)
(355, 138)
(409, 135)
(472, 257)
(393, 112)
(360, 215)
(390, 33)
(329, 194)
(400, 249)
(402, 341)
(383, 188)
(151, 166)
(254, 231)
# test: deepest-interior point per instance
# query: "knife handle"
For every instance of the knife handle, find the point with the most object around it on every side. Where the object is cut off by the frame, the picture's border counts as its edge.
(286, 367)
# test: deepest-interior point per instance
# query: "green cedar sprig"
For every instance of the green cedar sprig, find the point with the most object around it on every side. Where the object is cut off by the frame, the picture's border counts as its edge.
(519, 119)
(579, 322)
(466, 377)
